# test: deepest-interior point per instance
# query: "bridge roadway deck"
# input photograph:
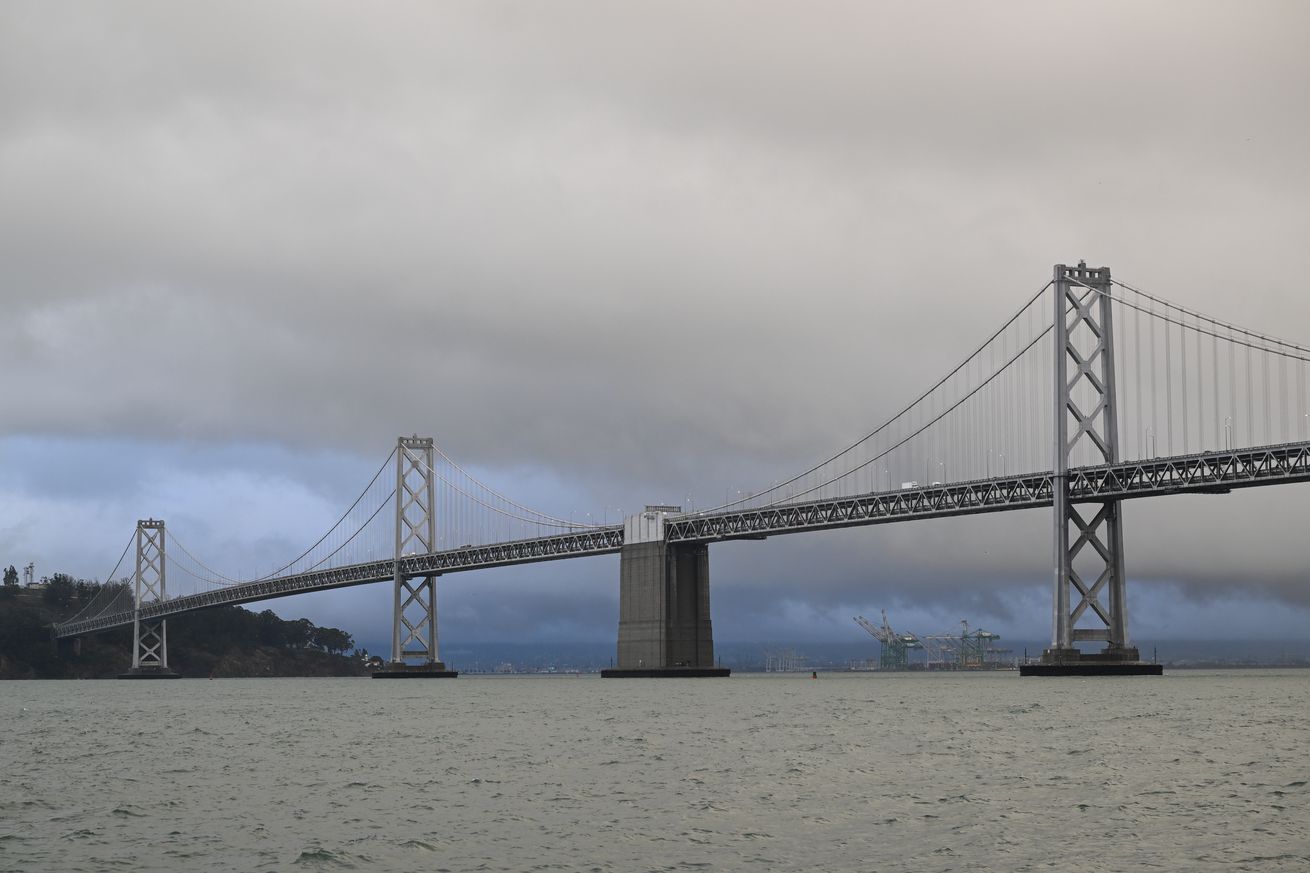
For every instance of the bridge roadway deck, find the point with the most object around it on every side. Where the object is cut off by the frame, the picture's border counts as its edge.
(1207, 472)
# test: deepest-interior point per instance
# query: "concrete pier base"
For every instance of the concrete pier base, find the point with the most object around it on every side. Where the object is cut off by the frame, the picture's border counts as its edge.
(1092, 669)
(664, 607)
(664, 672)
(1071, 662)
(664, 610)
(149, 673)
(435, 670)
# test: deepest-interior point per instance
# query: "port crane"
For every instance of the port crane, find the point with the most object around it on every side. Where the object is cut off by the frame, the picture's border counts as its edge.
(969, 650)
(895, 647)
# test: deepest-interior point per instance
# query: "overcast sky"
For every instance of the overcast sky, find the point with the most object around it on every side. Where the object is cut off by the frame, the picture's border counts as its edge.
(611, 254)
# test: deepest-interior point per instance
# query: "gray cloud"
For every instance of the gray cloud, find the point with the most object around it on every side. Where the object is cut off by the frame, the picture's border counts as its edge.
(654, 251)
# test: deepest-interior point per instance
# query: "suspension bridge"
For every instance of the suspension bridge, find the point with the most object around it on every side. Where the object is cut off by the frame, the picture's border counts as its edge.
(1091, 393)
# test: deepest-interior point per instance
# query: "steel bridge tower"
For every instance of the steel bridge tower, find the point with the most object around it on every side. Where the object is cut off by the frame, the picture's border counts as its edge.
(149, 638)
(1091, 566)
(414, 618)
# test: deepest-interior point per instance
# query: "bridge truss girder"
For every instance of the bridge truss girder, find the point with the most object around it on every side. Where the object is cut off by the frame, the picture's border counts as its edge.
(1199, 473)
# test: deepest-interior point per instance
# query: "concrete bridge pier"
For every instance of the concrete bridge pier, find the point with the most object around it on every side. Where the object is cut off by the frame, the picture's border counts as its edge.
(664, 604)
(67, 647)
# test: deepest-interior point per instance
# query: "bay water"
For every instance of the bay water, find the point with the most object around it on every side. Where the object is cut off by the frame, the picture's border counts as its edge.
(1191, 771)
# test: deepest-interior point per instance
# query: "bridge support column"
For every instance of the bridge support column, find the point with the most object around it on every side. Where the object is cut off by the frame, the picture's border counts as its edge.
(664, 604)
(149, 638)
(1092, 566)
(414, 616)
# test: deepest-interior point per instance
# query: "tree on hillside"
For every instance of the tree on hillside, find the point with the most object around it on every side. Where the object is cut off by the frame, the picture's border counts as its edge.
(332, 640)
(270, 629)
(86, 591)
(11, 576)
(299, 633)
(60, 591)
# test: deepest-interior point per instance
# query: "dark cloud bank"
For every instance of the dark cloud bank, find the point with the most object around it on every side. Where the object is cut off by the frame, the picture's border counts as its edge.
(652, 251)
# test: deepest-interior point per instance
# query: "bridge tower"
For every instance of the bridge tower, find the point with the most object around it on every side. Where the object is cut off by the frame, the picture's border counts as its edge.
(414, 618)
(149, 638)
(664, 603)
(1091, 567)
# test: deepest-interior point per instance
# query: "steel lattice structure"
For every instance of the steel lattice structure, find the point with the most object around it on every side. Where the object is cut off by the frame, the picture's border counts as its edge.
(1202, 473)
(414, 620)
(600, 541)
(149, 633)
(1041, 395)
(1085, 339)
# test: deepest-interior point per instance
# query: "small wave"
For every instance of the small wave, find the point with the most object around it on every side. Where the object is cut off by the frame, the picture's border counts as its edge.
(321, 857)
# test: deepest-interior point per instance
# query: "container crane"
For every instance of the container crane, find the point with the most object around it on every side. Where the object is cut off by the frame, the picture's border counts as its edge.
(895, 647)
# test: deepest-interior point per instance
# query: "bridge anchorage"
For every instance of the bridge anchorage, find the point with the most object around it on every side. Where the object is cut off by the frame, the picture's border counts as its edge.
(149, 638)
(664, 603)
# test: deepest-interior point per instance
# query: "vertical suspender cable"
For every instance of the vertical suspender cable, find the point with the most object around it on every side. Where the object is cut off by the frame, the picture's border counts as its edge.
(1137, 372)
(1168, 383)
(1304, 412)
(1022, 412)
(1200, 388)
(1232, 390)
(988, 408)
(1155, 400)
(1011, 417)
(1214, 380)
(1284, 435)
(1264, 369)
(1250, 399)
(1182, 359)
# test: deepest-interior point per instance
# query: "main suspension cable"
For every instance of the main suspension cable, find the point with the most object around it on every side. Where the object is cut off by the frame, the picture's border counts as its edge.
(890, 421)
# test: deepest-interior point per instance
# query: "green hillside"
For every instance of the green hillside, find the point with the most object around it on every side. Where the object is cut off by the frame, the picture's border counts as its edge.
(222, 642)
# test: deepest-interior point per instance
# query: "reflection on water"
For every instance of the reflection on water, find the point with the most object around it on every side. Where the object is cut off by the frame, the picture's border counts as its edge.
(1192, 771)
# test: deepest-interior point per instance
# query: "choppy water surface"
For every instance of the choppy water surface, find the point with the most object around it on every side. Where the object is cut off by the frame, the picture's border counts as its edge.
(1192, 771)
